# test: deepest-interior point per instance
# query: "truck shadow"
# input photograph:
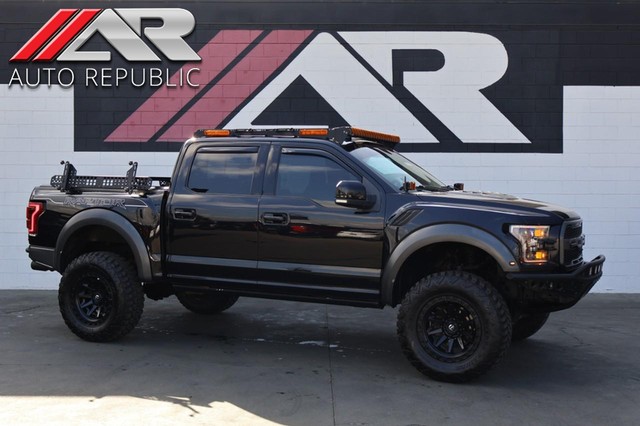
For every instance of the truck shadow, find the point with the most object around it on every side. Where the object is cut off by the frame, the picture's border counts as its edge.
(290, 362)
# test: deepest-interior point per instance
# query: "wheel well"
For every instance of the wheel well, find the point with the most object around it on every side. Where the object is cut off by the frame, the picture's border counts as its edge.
(441, 257)
(94, 238)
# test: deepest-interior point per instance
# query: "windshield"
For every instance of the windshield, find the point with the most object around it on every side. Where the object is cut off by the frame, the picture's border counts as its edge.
(394, 169)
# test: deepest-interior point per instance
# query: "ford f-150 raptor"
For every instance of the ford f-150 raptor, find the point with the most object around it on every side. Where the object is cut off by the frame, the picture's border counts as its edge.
(319, 215)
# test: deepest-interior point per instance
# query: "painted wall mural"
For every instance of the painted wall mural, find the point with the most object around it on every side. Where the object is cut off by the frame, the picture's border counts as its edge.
(478, 77)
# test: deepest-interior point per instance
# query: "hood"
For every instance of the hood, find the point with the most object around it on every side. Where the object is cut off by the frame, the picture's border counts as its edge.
(493, 200)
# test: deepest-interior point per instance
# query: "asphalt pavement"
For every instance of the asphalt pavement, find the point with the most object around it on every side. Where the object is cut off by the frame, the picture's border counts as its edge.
(274, 362)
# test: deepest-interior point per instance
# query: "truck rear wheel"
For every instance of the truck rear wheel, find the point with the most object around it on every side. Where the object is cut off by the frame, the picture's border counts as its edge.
(453, 326)
(100, 297)
(206, 303)
(528, 325)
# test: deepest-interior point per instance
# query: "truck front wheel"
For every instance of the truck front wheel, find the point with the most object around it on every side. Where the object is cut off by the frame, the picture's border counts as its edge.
(206, 303)
(100, 297)
(453, 326)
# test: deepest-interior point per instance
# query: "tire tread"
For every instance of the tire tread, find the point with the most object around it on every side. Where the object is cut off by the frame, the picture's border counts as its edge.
(466, 281)
(131, 296)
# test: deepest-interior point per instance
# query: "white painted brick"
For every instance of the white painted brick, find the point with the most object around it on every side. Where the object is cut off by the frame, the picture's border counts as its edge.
(51, 118)
(603, 240)
(9, 133)
(20, 118)
(15, 199)
(12, 213)
(585, 118)
(629, 214)
(603, 105)
(634, 228)
(608, 228)
(117, 158)
(573, 159)
(18, 255)
(627, 241)
(41, 280)
(8, 266)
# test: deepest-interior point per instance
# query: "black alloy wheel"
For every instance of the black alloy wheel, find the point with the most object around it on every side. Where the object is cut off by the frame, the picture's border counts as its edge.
(100, 296)
(453, 326)
(93, 298)
(451, 329)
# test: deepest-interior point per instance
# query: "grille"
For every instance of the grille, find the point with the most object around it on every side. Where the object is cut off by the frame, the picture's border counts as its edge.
(573, 230)
(573, 255)
(572, 242)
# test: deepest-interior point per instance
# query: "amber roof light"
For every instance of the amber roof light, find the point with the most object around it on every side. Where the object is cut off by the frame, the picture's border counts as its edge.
(216, 133)
(369, 134)
(313, 132)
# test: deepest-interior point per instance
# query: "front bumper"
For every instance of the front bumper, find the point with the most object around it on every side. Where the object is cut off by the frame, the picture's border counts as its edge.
(554, 292)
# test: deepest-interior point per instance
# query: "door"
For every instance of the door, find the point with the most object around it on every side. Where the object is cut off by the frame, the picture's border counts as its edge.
(309, 245)
(212, 215)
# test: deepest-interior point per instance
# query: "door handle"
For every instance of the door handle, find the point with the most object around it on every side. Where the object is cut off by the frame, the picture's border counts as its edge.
(184, 214)
(275, 218)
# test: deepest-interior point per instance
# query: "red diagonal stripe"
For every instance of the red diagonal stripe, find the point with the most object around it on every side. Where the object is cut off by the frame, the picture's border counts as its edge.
(54, 47)
(166, 102)
(238, 84)
(43, 35)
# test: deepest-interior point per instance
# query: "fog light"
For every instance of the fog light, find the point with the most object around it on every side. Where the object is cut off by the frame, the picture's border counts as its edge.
(540, 255)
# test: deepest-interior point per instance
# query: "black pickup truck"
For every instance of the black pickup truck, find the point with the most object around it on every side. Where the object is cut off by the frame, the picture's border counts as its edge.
(317, 215)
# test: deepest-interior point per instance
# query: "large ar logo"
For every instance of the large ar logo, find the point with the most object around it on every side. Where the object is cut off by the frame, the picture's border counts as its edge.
(456, 67)
(69, 29)
(428, 87)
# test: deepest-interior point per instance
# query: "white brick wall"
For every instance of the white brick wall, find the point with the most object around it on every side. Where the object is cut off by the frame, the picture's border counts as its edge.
(598, 175)
(36, 132)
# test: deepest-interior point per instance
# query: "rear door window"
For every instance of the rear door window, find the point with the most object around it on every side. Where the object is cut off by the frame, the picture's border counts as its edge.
(223, 172)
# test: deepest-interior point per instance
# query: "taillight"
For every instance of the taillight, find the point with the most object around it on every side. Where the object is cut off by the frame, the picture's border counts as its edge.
(34, 210)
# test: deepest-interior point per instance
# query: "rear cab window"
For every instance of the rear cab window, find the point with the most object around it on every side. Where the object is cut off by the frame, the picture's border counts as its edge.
(223, 172)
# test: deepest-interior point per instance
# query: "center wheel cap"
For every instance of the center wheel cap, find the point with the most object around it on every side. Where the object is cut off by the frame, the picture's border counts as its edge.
(451, 328)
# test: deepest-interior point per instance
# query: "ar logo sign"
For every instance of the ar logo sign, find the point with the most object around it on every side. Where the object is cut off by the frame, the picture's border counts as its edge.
(355, 76)
(69, 29)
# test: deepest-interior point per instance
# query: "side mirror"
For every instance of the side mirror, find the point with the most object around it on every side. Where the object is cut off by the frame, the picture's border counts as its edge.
(352, 193)
(458, 186)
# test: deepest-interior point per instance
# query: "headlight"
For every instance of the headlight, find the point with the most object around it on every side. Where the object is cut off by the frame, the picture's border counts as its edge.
(532, 242)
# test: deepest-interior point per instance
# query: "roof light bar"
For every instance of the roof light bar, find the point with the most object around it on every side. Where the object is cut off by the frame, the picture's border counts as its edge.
(336, 134)
(376, 136)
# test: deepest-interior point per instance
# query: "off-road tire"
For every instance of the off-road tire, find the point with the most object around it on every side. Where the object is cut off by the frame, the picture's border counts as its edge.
(480, 316)
(528, 325)
(100, 296)
(207, 303)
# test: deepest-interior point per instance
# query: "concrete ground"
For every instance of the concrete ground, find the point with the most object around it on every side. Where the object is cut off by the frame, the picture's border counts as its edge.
(272, 362)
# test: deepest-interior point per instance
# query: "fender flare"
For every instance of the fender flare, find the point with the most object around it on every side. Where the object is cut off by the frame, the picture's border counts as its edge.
(113, 221)
(443, 233)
